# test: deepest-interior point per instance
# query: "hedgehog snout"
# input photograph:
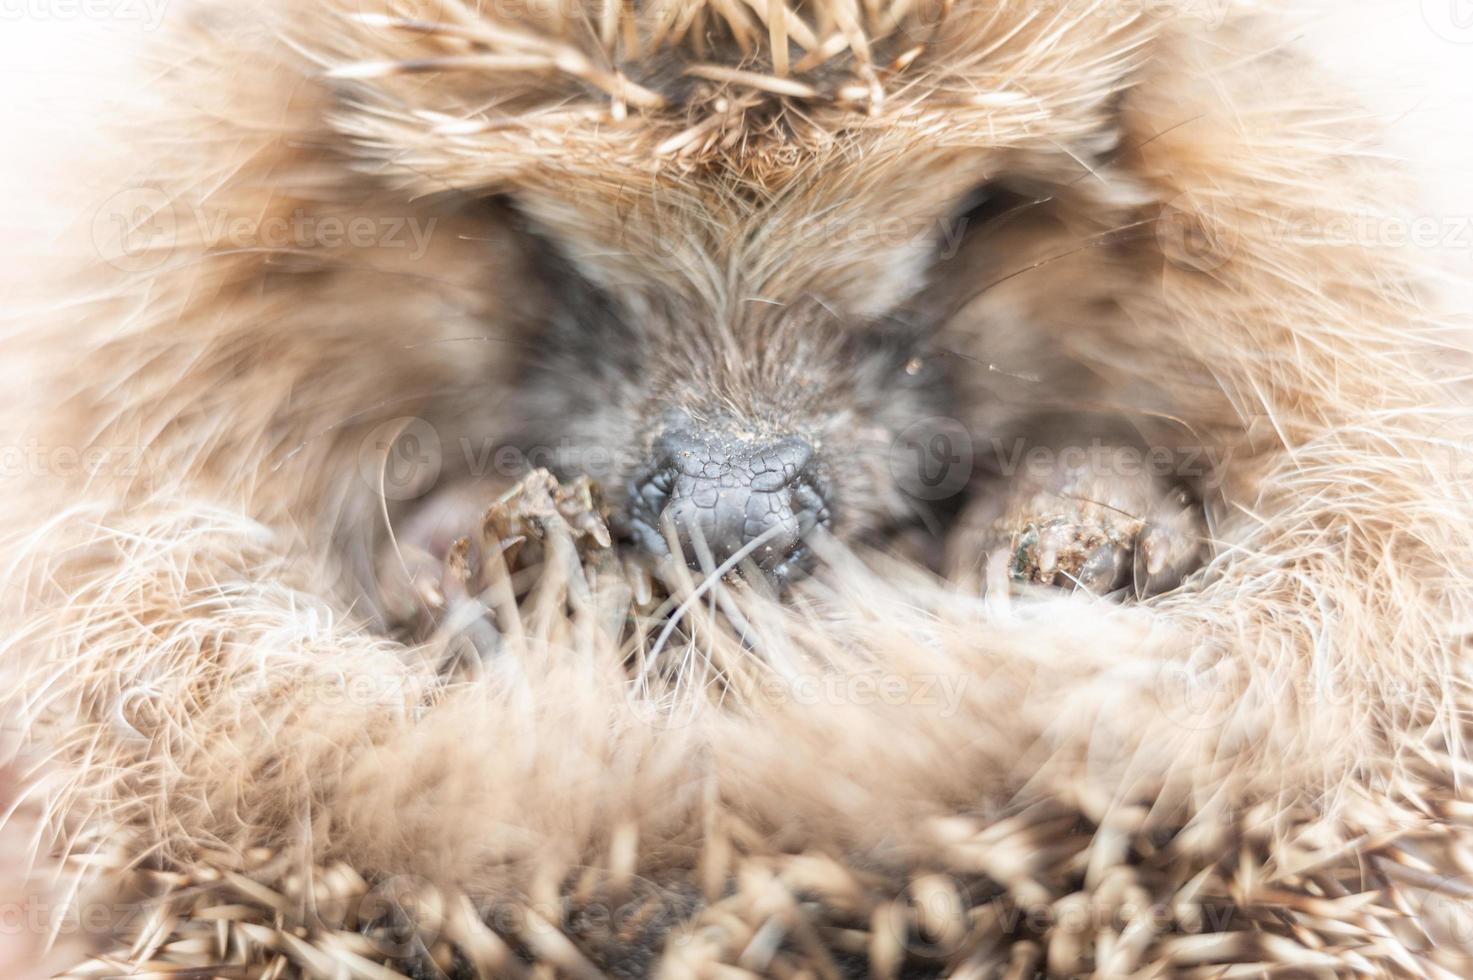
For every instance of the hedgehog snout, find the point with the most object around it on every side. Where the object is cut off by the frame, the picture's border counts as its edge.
(725, 497)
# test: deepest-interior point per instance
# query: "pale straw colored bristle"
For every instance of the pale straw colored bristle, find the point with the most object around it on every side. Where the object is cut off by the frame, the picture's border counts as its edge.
(256, 724)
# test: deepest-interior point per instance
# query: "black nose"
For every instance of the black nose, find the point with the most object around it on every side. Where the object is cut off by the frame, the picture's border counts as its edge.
(723, 493)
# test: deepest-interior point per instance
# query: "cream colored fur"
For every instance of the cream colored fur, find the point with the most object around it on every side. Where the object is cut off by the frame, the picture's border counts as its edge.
(184, 646)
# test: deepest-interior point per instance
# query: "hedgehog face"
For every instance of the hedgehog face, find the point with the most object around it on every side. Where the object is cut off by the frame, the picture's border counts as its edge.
(738, 434)
(741, 368)
(744, 214)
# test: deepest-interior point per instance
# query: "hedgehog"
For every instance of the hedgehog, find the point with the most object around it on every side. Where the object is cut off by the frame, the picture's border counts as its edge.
(736, 354)
(1059, 528)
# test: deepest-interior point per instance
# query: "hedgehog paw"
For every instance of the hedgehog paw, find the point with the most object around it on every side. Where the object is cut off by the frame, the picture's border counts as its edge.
(1104, 533)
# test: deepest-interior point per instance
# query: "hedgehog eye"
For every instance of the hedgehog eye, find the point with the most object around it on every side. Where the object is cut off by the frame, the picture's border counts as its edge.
(977, 202)
(990, 202)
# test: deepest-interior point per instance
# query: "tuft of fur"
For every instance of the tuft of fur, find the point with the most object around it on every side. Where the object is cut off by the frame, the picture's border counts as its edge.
(882, 774)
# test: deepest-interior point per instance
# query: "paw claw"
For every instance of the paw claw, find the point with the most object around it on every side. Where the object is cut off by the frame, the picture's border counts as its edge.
(1102, 570)
(1154, 550)
(1094, 532)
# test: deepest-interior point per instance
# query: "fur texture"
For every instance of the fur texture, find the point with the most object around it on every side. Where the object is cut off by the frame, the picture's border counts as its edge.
(191, 650)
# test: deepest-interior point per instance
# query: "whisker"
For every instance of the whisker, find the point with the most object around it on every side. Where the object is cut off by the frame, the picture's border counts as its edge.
(706, 585)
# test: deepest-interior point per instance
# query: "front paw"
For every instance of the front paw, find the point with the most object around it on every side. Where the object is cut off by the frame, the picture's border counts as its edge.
(437, 572)
(1102, 550)
(1103, 530)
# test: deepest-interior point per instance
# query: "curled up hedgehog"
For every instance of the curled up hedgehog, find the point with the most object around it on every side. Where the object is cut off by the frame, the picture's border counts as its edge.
(719, 488)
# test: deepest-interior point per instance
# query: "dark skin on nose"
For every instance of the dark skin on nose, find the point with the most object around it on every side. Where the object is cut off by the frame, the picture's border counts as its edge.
(722, 494)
